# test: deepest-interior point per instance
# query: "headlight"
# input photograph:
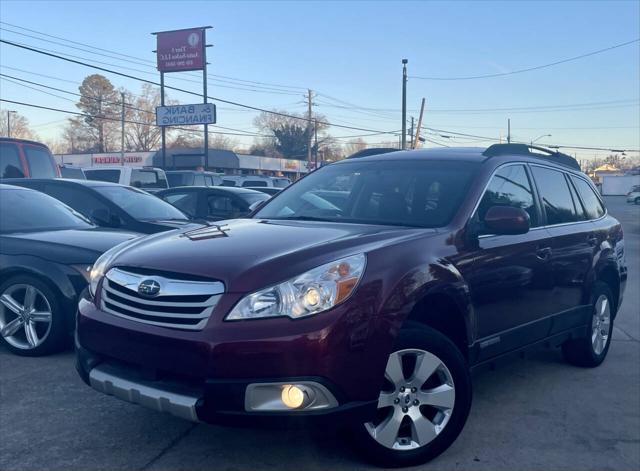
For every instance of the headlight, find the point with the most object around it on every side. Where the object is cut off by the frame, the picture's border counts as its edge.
(310, 293)
(102, 264)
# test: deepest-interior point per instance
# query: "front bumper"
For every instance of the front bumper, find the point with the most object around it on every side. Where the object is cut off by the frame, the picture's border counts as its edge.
(203, 376)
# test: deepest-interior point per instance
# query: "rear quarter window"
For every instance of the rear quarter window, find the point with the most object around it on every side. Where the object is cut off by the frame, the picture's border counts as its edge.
(254, 183)
(593, 207)
(10, 165)
(145, 179)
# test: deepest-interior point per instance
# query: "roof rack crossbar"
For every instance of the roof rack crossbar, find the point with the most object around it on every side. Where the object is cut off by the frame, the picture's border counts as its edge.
(525, 149)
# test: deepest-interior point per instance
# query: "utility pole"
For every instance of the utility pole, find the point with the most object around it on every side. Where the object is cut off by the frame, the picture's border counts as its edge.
(309, 120)
(417, 139)
(412, 144)
(404, 103)
(122, 131)
(100, 126)
(315, 145)
(9, 122)
(509, 131)
(204, 97)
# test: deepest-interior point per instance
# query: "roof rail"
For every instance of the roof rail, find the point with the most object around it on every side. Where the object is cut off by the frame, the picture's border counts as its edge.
(525, 149)
(371, 151)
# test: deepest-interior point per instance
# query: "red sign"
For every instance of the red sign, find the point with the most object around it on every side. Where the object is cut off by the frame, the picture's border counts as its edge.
(180, 50)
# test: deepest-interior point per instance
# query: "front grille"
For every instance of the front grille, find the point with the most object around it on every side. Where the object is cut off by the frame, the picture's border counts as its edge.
(179, 304)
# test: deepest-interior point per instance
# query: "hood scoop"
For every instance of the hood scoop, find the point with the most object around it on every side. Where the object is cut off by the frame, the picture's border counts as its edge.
(209, 232)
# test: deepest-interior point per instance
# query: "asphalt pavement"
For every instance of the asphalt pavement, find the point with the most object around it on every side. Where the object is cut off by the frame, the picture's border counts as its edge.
(537, 413)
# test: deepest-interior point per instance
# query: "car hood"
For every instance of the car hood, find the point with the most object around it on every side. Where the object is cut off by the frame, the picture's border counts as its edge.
(248, 254)
(65, 246)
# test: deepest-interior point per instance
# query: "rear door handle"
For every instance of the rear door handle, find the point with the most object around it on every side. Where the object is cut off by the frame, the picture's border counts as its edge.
(543, 253)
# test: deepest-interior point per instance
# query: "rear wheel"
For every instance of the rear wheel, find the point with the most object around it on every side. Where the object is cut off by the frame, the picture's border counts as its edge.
(591, 350)
(31, 321)
(423, 404)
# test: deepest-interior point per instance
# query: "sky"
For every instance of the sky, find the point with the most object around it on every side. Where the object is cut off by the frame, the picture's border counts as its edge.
(349, 54)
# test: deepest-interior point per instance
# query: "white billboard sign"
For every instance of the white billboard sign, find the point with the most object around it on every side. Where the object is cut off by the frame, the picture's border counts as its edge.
(180, 115)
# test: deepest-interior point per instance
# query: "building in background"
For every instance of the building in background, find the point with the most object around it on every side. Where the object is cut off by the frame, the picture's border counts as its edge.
(183, 158)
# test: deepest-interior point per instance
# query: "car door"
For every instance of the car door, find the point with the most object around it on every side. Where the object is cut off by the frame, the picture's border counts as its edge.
(509, 278)
(573, 243)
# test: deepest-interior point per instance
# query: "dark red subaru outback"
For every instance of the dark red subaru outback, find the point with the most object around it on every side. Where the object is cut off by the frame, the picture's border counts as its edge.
(364, 293)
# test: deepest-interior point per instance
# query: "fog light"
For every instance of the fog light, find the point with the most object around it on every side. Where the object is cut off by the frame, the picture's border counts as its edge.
(292, 396)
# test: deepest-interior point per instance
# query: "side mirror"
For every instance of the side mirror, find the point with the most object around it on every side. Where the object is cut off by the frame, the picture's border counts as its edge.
(103, 217)
(507, 220)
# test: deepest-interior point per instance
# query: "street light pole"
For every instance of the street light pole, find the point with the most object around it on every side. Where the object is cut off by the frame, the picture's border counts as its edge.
(539, 137)
(9, 122)
(404, 103)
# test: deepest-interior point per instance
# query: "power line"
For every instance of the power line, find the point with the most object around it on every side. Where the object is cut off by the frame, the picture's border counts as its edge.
(122, 74)
(77, 113)
(144, 62)
(529, 69)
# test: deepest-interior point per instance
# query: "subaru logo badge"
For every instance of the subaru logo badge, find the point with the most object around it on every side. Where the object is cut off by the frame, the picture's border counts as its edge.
(149, 288)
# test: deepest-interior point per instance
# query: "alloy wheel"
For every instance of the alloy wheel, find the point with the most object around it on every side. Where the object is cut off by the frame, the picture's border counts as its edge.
(416, 402)
(600, 324)
(25, 316)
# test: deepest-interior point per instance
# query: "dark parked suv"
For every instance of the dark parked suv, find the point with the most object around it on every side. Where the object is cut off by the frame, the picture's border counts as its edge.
(371, 309)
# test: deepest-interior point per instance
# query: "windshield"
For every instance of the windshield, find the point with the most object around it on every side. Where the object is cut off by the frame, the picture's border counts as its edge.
(402, 192)
(31, 211)
(139, 204)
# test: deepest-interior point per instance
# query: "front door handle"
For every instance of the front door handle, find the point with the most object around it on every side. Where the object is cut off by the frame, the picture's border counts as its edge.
(543, 253)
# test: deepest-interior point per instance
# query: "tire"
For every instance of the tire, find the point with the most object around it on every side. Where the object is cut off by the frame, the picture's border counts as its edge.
(591, 350)
(424, 430)
(30, 334)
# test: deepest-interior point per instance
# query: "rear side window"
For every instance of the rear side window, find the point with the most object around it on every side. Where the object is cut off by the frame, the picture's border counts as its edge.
(198, 180)
(144, 179)
(10, 166)
(254, 183)
(281, 182)
(510, 186)
(556, 196)
(40, 162)
(187, 202)
(104, 175)
(70, 172)
(592, 204)
(80, 200)
(228, 183)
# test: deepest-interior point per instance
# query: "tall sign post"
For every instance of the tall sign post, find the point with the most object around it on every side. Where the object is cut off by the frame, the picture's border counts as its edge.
(180, 51)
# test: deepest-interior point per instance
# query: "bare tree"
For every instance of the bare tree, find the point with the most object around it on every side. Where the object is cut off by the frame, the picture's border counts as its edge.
(19, 126)
(354, 145)
(141, 132)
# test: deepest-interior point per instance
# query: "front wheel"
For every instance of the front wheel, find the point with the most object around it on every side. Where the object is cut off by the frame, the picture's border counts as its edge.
(423, 404)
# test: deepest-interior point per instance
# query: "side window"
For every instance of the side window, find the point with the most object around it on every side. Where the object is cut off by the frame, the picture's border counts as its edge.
(10, 166)
(198, 180)
(221, 206)
(40, 162)
(510, 186)
(556, 196)
(186, 202)
(208, 180)
(580, 210)
(592, 204)
(82, 201)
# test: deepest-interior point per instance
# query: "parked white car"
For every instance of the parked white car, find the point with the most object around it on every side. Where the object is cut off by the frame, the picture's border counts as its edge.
(150, 179)
(255, 181)
(634, 195)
